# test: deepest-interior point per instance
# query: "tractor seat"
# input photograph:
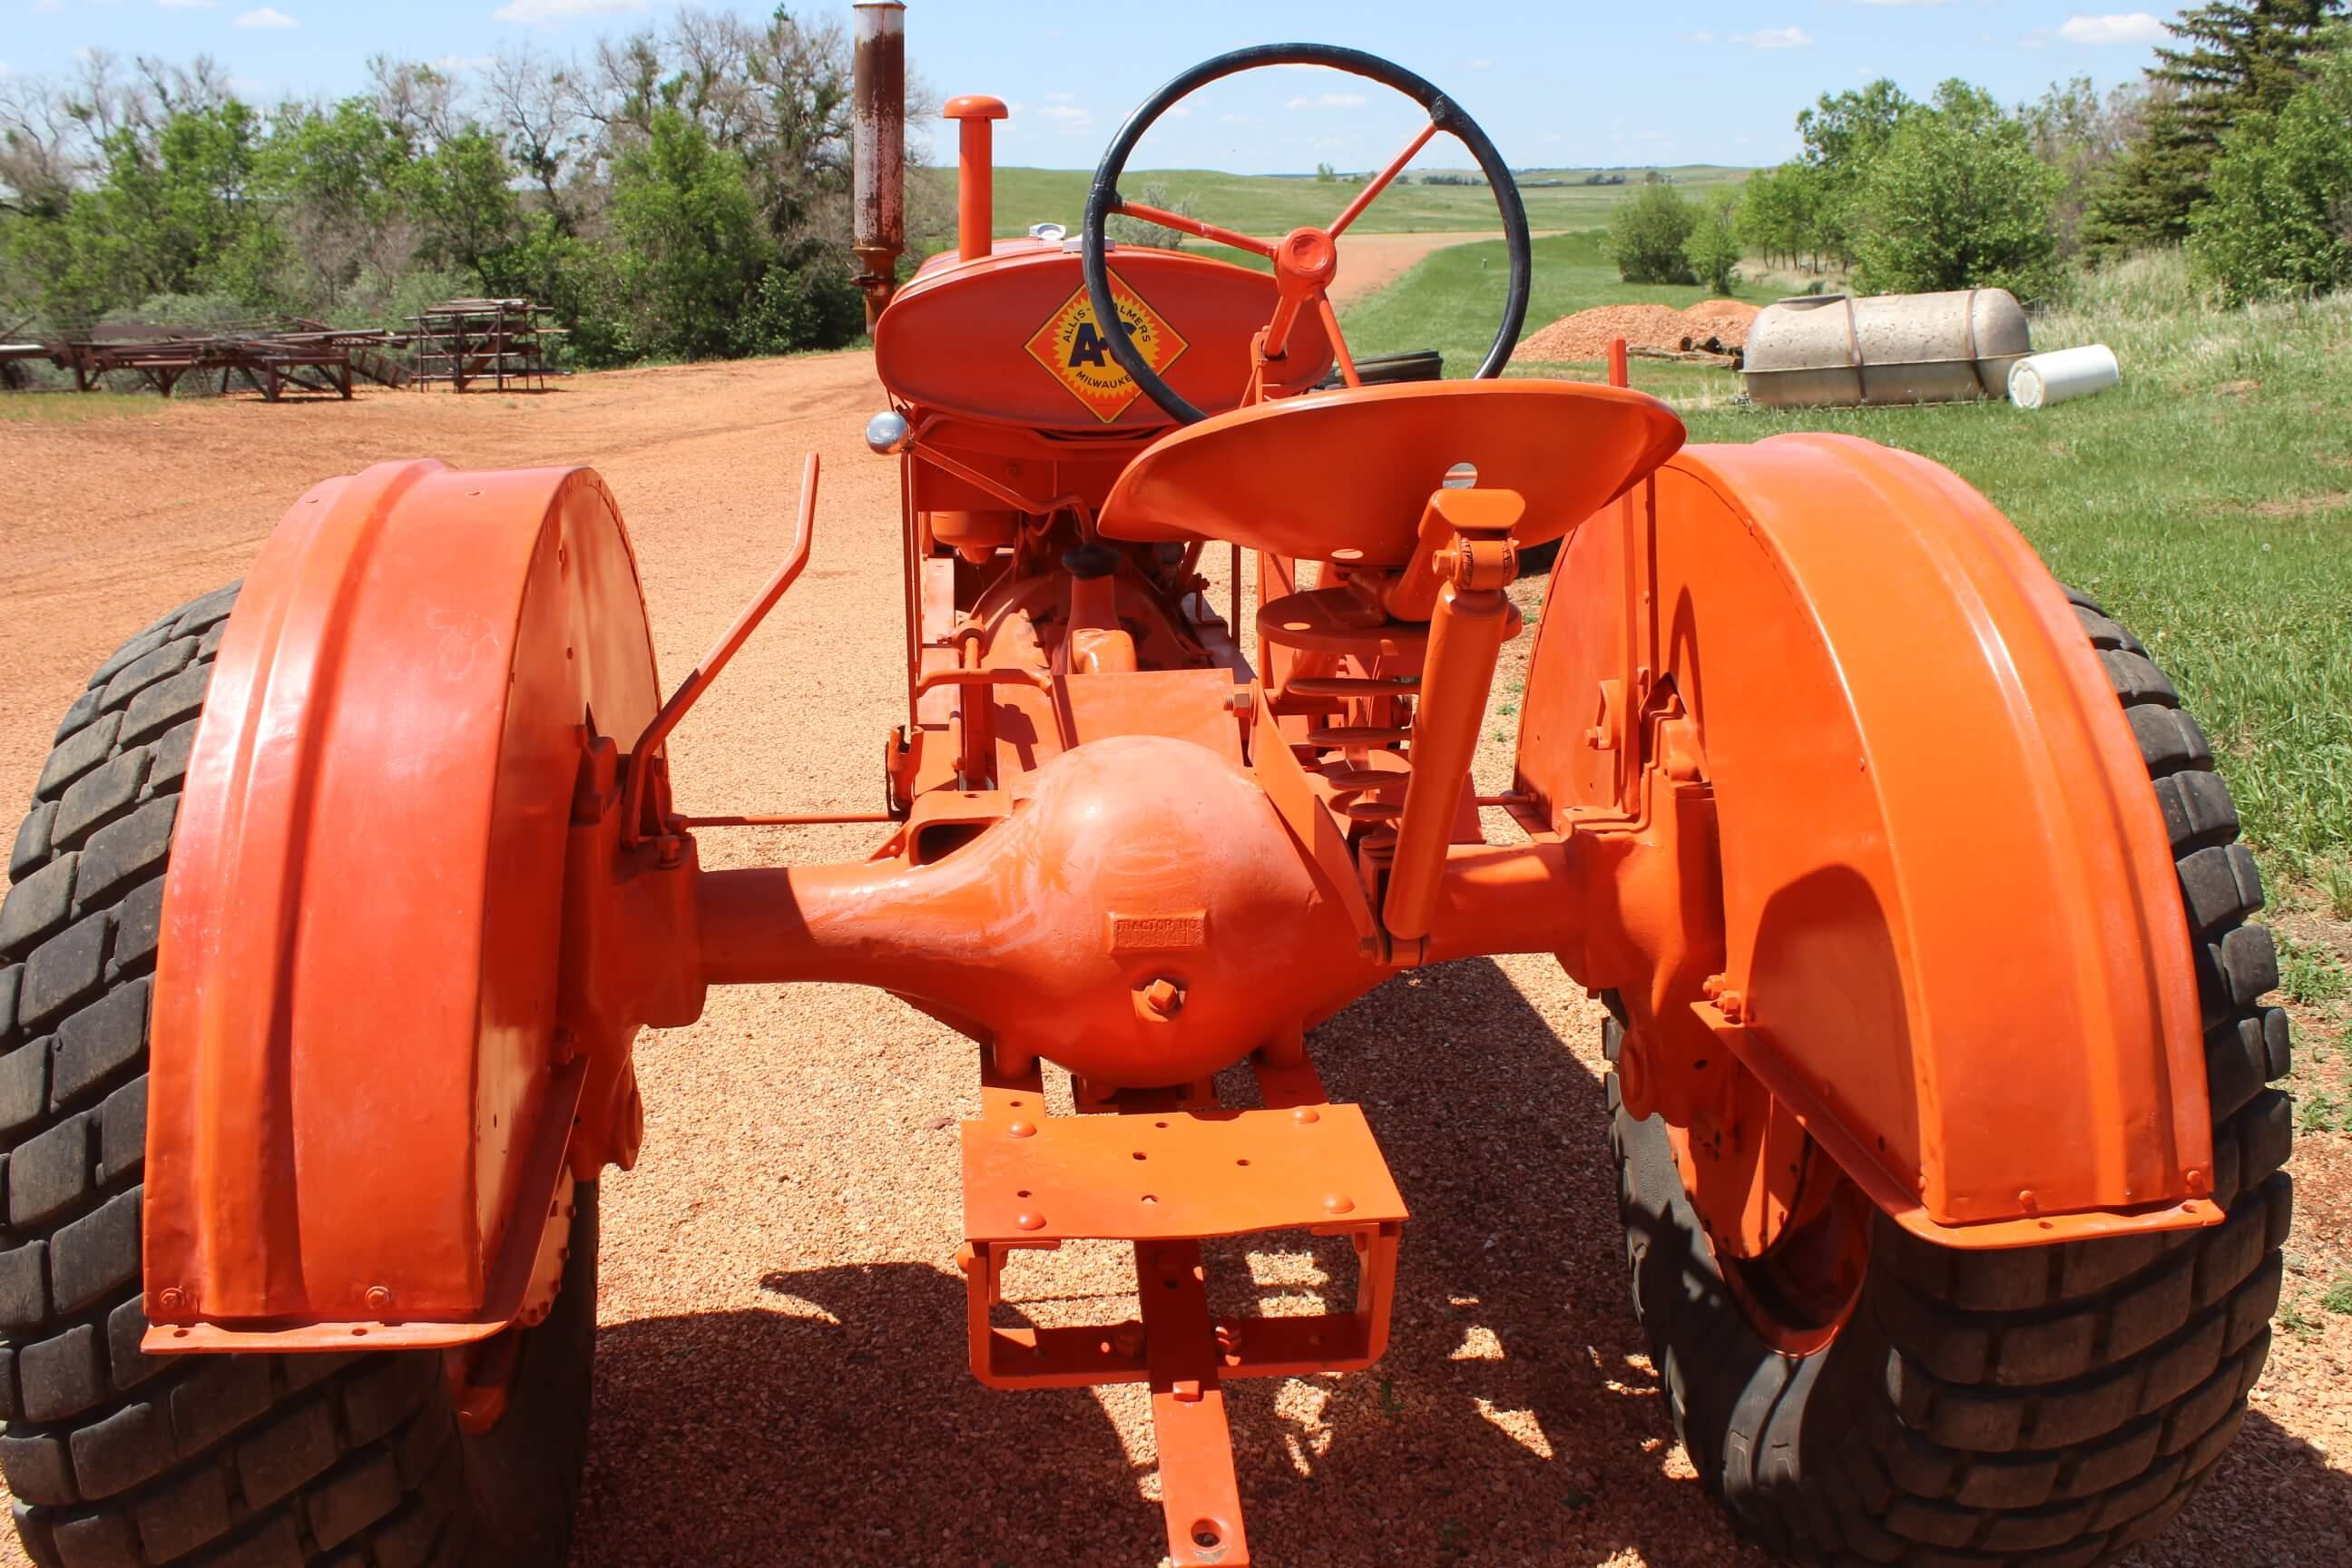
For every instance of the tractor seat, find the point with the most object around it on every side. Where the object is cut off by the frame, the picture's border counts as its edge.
(1344, 475)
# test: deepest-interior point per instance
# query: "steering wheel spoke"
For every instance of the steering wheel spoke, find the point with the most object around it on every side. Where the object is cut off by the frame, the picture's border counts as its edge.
(1305, 260)
(1380, 181)
(1186, 224)
(1339, 344)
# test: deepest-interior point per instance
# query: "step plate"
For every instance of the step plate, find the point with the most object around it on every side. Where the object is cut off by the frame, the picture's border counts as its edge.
(1175, 1175)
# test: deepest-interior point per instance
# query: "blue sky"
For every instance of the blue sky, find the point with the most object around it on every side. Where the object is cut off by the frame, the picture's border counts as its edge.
(1555, 83)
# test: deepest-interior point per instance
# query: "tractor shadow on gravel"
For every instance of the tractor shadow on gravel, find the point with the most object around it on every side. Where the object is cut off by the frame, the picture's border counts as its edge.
(1515, 1419)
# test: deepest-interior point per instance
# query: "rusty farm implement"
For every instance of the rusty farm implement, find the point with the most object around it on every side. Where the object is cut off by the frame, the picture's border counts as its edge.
(1950, 1175)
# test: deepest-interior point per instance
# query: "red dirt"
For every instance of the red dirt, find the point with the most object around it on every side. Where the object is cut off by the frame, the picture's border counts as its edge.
(780, 1360)
(1718, 326)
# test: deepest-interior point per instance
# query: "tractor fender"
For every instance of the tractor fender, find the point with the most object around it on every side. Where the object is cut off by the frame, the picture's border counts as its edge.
(366, 1061)
(1949, 934)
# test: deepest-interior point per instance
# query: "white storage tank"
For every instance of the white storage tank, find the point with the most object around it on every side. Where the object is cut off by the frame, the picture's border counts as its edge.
(1835, 348)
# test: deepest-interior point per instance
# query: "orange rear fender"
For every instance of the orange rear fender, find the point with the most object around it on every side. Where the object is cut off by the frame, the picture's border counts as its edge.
(1951, 936)
(366, 1057)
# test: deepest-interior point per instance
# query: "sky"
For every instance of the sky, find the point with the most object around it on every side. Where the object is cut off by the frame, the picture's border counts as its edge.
(1559, 83)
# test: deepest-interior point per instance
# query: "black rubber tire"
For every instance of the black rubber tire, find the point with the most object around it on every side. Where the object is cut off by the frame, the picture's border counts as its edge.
(123, 1460)
(2048, 1406)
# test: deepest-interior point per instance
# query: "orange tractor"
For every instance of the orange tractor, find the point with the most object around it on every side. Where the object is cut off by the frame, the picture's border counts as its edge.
(1950, 1180)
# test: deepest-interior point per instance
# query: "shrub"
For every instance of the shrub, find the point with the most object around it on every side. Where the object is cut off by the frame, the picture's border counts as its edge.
(2279, 220)
(805, 301)
(1647, 231)
(1956, 199)
(1713, 250)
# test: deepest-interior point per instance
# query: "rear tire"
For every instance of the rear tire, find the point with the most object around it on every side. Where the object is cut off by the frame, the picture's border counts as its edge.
(2048, 1404)
(119, 1459)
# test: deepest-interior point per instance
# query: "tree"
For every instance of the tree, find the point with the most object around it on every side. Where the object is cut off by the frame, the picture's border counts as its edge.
(693, 248)
(2235, 57)
(1779, 215)
(2081, 135)
(335, 179)
(1647, 231)
(1843, 133)
(464, 203)
(535, 102)
(2280, 217)
(1956, 199)
(1713, 248)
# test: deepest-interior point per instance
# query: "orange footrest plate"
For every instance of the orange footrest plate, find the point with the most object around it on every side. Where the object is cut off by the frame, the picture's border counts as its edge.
(1175, 1175)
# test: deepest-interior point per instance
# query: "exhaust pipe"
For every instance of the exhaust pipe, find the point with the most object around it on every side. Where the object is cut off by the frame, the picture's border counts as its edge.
(878, 173)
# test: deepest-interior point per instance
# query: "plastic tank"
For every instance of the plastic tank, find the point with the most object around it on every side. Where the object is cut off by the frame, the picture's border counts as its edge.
(1885, 348)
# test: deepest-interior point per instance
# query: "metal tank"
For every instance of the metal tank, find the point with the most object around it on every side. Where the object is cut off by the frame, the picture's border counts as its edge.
(1885, 348)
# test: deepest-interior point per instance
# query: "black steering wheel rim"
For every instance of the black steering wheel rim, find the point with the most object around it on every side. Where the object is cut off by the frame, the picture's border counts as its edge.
(1443, 113)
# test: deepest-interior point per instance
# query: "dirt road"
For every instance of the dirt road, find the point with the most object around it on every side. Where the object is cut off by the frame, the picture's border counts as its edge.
(781, 1368)
(1370, 262)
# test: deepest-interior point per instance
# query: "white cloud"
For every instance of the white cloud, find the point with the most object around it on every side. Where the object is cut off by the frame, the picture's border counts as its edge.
(7, 70)
(1069, 120)
(268, 17)
(1774, 39)
(1328, 100)
(554, 13)
(2130, 27)
(1060, 97)
(450, 65)
(1480, 65)
(1704, 35)
(1181, 112)
(1236, 120)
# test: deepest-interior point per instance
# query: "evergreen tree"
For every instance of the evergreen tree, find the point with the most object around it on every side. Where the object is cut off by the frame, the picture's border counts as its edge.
(2233, 59)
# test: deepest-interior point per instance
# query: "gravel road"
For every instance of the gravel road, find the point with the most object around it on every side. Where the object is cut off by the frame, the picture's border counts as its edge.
(781, 1368)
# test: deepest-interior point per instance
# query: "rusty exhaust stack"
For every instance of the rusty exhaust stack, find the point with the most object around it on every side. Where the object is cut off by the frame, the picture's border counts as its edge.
(879, 151)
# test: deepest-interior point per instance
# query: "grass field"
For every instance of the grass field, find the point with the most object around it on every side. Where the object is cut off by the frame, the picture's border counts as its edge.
(1453, 300)
(1270, 205)
(2207, 501)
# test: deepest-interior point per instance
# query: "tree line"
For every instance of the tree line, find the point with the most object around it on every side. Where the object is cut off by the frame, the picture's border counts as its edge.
(680, 191)
(2237, 141)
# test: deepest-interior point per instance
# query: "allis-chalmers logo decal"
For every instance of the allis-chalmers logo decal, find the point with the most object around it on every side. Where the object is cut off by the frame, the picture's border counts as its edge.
(1071, 346)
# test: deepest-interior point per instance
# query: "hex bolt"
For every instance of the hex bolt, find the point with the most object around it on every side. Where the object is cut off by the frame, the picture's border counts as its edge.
(1714, 986)
(379, 1298)
(172, 1298)
(1733, 1006)
(1164, 997)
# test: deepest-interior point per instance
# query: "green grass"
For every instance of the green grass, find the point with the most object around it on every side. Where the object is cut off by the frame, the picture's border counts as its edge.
(2308, 972)
(1453, 300)
(1270, 205)
(74, 408)
(2207, 502)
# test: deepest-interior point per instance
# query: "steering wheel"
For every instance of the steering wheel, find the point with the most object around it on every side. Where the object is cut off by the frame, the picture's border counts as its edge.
(1305, 260)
